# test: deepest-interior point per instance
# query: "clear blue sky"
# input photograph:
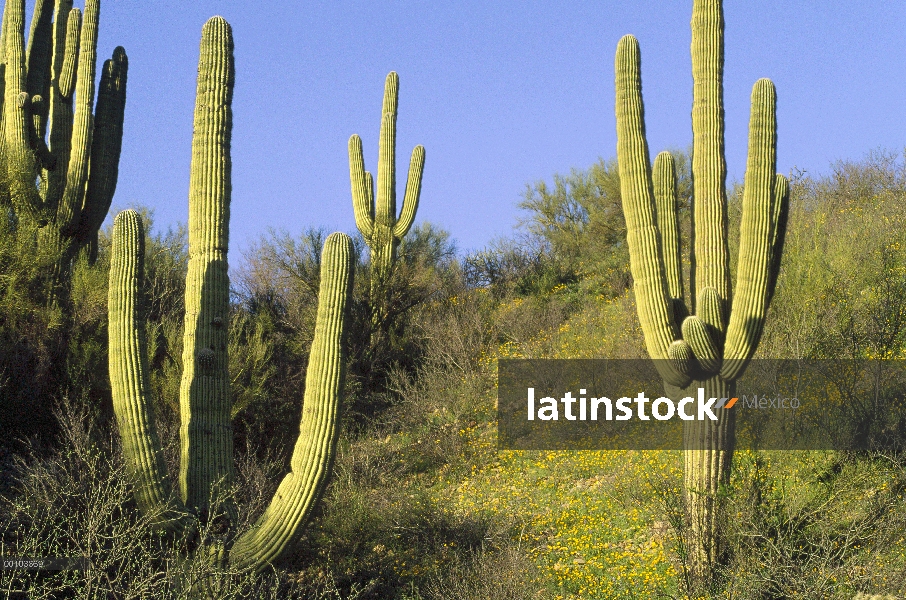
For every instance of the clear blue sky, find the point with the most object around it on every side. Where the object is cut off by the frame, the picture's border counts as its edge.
(501, 94)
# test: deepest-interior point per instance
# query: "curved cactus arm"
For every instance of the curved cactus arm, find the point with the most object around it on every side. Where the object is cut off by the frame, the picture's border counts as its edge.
(69, 68)
(17, 122)
(664, 179)
(206, 433)
(315, 448)
(682, 361)
(38, 59)
(711, 262)
(710, 311)
(413, 191)
(61, 13)
(69, 210)
(67, 32)
(106, 145)
(38, 109)
(129, 375)
(756, 233)
(385, 202)
(642, 235)
(781, 211)
(696, 333)
(362, 199)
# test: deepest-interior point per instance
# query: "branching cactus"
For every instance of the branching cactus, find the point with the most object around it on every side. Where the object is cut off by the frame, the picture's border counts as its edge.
(709, 341)
(376, 218)
(49, 132)
(206, 433)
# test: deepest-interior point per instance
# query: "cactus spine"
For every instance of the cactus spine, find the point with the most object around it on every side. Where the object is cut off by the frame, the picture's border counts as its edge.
(376, 218)
(709, 344)
(50, 134)
(206, 434)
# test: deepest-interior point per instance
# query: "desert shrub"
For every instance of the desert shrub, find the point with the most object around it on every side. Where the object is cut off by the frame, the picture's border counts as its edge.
(580, 219)
(33, 337)
(76, 501)
(841, 290)
(523, 267)
(277, 300)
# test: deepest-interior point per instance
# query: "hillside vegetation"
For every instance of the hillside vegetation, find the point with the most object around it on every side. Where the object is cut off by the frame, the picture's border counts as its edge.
(421, 503)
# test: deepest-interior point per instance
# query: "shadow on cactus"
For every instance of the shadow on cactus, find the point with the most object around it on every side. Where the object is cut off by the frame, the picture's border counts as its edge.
(206, 434)
(708, 342)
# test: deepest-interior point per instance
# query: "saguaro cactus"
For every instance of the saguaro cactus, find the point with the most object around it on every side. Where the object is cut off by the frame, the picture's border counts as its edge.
(709, 343)
(206, 434)
(50, 134)
(376, 218)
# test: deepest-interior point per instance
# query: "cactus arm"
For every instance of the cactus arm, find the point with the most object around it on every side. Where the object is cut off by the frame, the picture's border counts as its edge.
(682, 363)
(711, 313)
(129, 374)
(369, 190)
(38, 109)
(17, 116)
(106, 145)
(413, 190)
(709, 169)
(362, 204)
(206, 434)
(82, 129)
(315, 448)
(385, 205)
(61, 12)
(664, 180)
(696, 333)
(780, 210)
(755, 252)
(643, 238)
(38, 58)
(70, 66)
(67, 31)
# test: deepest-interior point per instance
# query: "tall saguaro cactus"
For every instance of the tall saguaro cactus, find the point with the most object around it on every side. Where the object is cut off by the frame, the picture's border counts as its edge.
(206, 434)
(376, 218)
(708, 342)
(49, 133)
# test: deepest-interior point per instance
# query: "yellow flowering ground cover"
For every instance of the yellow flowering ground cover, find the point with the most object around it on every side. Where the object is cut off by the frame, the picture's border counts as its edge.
(595, 522)
(582, 516)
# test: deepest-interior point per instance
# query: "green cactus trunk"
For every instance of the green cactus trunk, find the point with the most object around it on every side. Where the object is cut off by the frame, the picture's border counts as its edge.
(73, 153)
(206, 432)
(376, 219)
(710, 344)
